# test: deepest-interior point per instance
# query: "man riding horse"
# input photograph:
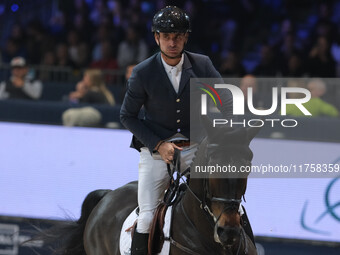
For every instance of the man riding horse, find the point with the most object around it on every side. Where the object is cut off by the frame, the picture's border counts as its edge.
(160, 84)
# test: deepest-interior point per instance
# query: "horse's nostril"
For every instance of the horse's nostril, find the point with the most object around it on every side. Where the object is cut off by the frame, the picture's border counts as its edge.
(228, 235)
(220, 231)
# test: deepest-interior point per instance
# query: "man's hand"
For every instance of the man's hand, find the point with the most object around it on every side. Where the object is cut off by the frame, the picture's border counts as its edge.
(81, 90)
(167, 151)
(18, 82)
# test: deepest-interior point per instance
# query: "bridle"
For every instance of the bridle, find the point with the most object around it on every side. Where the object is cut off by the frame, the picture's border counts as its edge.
(231, 204)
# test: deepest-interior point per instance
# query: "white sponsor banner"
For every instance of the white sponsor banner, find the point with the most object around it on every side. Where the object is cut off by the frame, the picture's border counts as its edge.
(46, 171)
(303, 208)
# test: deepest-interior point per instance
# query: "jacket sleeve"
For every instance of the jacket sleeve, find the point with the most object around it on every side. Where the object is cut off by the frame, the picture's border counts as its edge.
(134, 99)
(226, 97)
(33, 89)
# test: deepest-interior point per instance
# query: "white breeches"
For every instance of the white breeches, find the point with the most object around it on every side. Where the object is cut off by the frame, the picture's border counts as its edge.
(153, 179)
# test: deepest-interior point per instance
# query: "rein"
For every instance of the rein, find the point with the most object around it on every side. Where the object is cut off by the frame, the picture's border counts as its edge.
(174, 192)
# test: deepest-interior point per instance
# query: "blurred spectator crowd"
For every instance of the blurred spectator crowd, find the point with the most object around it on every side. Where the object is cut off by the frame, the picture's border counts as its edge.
(244, 38)
(266, 38)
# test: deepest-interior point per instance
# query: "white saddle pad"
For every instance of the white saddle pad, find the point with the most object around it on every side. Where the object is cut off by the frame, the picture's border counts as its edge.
(125, 236)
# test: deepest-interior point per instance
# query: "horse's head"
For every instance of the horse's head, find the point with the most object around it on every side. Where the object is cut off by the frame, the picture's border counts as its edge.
(229, 149)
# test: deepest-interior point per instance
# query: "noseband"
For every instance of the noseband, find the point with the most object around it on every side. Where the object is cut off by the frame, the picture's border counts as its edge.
(231, 204)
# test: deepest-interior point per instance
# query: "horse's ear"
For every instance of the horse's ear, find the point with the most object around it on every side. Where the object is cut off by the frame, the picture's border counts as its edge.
(219, 133)
(252, 132)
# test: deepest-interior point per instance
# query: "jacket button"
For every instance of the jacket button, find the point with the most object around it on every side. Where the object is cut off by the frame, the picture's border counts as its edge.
(178, 100)
(178, 121)
(178, 111)
(178, 130)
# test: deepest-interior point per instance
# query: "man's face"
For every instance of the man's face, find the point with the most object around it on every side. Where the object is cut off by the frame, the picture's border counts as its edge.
(172, 44)
(19, 72)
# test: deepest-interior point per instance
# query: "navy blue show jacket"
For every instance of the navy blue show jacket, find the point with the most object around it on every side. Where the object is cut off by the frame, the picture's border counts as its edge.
(165, 111)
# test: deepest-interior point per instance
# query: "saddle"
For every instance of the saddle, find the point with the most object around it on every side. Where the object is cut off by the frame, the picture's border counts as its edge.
(156, 237)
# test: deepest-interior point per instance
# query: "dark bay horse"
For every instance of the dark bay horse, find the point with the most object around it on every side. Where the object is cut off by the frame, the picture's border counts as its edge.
(205, 221)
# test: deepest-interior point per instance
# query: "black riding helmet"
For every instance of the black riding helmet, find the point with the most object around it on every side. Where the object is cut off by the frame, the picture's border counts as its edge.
(171, 19)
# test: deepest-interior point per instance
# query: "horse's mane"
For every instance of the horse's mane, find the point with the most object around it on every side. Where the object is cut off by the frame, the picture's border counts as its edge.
(199, 154)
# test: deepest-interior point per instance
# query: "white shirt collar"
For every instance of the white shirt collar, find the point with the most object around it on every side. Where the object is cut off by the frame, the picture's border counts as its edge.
(169, 68)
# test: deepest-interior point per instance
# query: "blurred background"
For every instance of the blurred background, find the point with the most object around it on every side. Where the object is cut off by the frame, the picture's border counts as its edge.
(57, 46)
(60, 39)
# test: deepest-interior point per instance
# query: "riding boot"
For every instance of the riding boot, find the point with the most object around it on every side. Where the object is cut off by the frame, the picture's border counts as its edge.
(139, 245)
(246, 226)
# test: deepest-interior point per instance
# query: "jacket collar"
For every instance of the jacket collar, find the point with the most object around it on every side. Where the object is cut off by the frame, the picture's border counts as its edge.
(186, 73)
